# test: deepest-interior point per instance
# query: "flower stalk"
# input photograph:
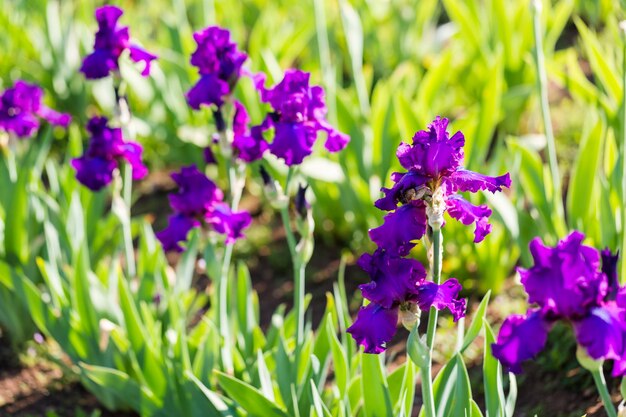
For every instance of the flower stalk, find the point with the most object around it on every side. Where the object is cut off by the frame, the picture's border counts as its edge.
(426, 372)
(598, 378)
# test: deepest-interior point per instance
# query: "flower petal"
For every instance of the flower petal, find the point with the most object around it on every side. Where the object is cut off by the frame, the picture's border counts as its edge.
(565, 280)
(228, 222)
(94, 172)
(467, 213)
(374, 327)
(442, 296)
(209, 90)
(403, 183)
(138, 54)
(394, 279)
(401, 228)
(465, 180)
(520, 338)
(602, 332)
(176, 232)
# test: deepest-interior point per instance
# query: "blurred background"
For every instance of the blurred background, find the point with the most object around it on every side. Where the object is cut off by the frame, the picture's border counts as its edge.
(388, 67)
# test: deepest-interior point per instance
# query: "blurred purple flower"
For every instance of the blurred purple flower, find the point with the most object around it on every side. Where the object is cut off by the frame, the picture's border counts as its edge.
(219, 63)
(396, 284)
(199, 201)
(433, 162)
(299, 114)
(107, 149)
(566, 283)
(21, 107)
(248, 144)
(110, 42)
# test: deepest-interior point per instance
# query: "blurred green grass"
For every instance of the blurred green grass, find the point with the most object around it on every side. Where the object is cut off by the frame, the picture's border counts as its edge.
(388, 68)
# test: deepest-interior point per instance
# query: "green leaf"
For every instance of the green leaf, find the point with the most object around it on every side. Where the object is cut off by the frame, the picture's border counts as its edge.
(477, 323)
(340, 363)
(376, 398)
(320, 408)
(452, 390)
(248, 397)
(187, 264)
(216, 405)
(492, 374)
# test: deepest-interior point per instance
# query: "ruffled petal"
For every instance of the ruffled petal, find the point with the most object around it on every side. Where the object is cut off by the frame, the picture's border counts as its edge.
(467, 213)
(209, 90)
(138, 54)
(374, 327)
(132, 154)
(441, 297)
(176, 232)
(565, 280)
(99, 64)
(228, 222)
(336, 140)
(394, 279)
(602, 332)
(401, 229)
(292, 142)
(94, 173)
(54, 117)
(520, 338)
(196, 193)
(464, 180)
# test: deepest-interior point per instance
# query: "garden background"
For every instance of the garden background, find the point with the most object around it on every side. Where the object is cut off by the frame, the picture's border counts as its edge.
(388, 68)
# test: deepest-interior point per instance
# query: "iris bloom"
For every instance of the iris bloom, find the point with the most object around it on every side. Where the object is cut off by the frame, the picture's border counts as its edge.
(21, 108)
(219, 63)
(199, 201)
(397, 284)
(111, 41)
(566, 283)
(433, 179)
(299, 114)
(107, 150)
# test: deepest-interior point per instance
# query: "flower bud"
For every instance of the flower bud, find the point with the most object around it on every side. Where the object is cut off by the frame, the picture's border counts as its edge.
(417, 349)
(410, 316)
(587, 361)
(435, 208)
(273, 191)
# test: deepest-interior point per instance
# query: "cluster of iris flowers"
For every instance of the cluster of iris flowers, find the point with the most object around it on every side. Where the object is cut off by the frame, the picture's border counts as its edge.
(416, 202)
(574, 283)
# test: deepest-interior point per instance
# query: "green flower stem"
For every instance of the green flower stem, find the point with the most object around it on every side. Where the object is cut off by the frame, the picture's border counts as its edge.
(426, 371)
(598, 377)
(123, 116)
(127, 189)
(299, 270)
(236, 191)
(542, 85)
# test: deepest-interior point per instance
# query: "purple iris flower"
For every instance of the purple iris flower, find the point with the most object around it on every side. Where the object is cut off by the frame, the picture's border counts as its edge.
(568, 283)
(299, 114)
(433, 162)
(248, 144)
(107, 149)
(199, 201)
(397, 283)
(111, 41)
(219, 63)
(21, 109)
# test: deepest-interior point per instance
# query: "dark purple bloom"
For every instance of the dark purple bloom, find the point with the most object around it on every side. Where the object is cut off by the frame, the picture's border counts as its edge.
(21, 108)
(609, 268)
(300, 202)
(520, 338)
(196, 193)
(299, 114)
(176, 232)
(397, 283)
(248, 144)
(110, 42)
(401, 228)
(565, 281)
(107, 149)
(567, 284)
(228, 222)
(219, 63)
(199, 201)
(433, 162)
